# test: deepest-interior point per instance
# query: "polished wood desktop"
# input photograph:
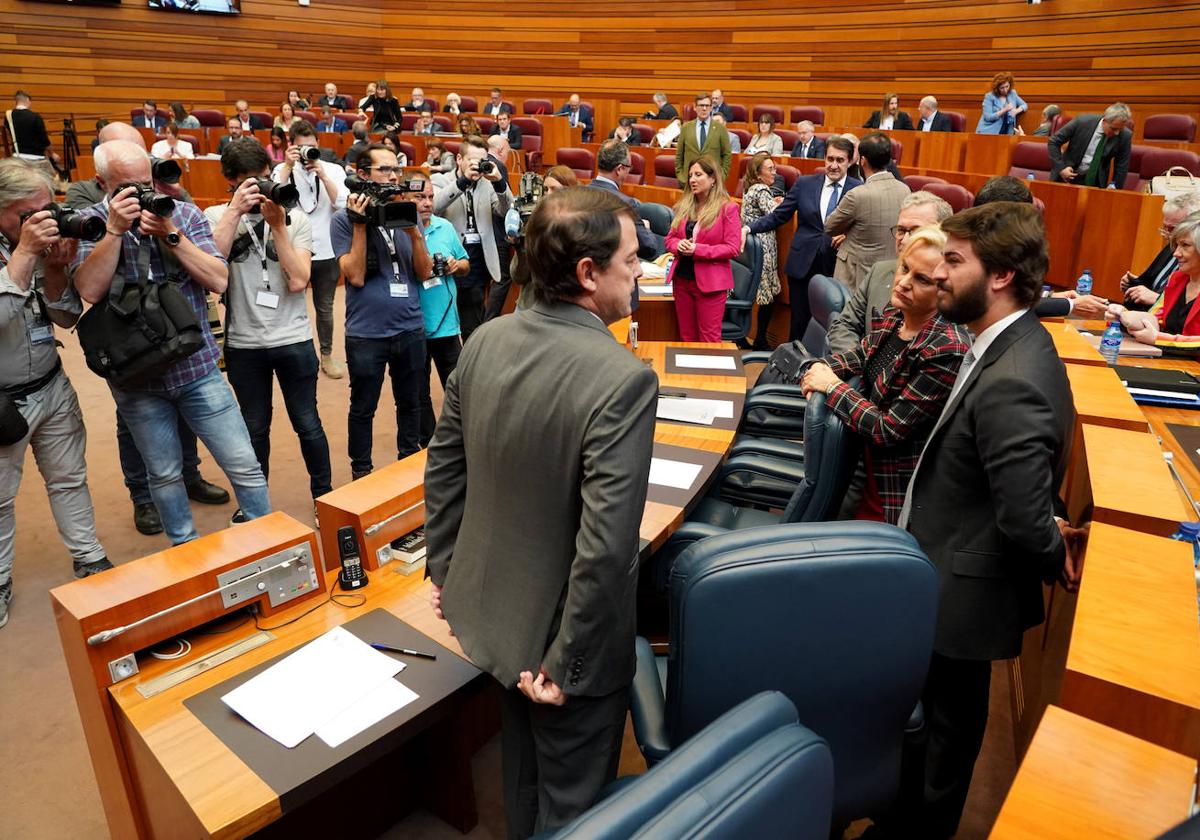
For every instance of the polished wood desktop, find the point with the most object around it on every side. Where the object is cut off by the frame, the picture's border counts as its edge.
(1081, 779)
(1071, 346)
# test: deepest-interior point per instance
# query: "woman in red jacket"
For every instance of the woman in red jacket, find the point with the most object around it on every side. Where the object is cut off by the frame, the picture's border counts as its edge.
(706, 234)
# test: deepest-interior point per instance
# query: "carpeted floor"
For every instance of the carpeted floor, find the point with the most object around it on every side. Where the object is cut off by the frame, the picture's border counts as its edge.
(47, 788)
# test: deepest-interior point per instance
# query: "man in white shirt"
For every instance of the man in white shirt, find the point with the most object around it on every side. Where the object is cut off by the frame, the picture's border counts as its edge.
(322, 188)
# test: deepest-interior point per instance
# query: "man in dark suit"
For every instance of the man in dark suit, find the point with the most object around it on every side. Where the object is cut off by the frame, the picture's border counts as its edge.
(890, 117)
(811, 198)
(1098, 149)
(419, 103)
(249, 122)
(626, 133)
(504, 126)
(496, 105)
(664, 109)
(720, 106)
(329, 124)
(150, 118)
(234, 126)
(1143, 290)
(577, 114)
(333, 100)
(612, 165)
(931, 119)
(809, 145)
(983, 499)
(538, 580)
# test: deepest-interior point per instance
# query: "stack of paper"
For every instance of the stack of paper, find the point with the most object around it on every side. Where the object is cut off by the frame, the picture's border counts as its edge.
(334, 687)
(678, 474)
(691, 410)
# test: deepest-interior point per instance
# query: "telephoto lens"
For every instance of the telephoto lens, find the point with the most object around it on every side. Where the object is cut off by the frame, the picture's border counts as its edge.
(310, 153)
(285, 195)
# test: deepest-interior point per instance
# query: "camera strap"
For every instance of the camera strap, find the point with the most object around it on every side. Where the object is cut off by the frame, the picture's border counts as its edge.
(313, 187)
(261, 249)
(5, 253)
(471, 236)
(391, 249)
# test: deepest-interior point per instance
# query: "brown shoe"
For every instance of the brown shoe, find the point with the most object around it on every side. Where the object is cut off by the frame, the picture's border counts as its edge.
(331, 367)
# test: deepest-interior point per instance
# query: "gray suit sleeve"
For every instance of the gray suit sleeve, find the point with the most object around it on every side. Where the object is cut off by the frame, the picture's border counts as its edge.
(445, 485)
(849, 326)
(603, 578)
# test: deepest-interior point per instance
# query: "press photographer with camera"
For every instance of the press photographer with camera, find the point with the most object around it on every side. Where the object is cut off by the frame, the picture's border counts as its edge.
(38, 406)
(269, 244)
(160, 251)
(438, 299)
(381, 251)
(322, 188)
(474, 198)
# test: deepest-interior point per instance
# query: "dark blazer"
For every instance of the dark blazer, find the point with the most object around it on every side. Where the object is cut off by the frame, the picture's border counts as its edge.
(1076, 135)
(984, 495)
(725, 111)
(940, 123)
(903, 121)
(584, 119)
(486, 107)
(649, 245)
(514, 134)
(812, 249)
(635, 137)
(816, 149)
(1164, 264)
(542, 573)
(338, 103)
(385, 112)
(666, 112)
(159, 122)
(334, 126)
(426, 105)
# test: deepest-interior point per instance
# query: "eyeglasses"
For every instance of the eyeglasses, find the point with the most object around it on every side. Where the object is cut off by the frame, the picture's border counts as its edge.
(385, 170)
(903, 231)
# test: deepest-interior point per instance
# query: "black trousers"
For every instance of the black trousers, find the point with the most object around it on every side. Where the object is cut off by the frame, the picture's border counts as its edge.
(470, 309)
(557, 759)
(444, 352)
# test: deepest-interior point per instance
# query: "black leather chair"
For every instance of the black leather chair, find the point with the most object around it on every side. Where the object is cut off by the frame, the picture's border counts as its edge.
(826, 297)
(747, 273)
(752, 772)
(658, 215)
(839, 616)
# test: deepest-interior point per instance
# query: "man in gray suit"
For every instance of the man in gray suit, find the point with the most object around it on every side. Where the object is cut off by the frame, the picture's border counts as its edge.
(475, 202)
(534, 491)
(865, 216)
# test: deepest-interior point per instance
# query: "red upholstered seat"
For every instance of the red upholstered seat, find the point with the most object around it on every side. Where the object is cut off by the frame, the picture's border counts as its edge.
(581, 161)
(264, 117)
(452, 146)
(209, 117)
(958, 197)
(537, 106)
(664, 172)
(897, 151)
(808, 112)
(309, 117)
(443, 122)
(1170, 127)
(789, 173)
(348, 117)
(689, 112)
(1059, 121)
(468, 104)
(408, 121)
(410, 152)
(532, 147)
(790, 139)
(1155, 162)
(1030, 157)
(637, 169)
(775, 111)
(918, 182)
(743, 136)
(646, 132)
(958, 120)
(528, 125)
(740, 114)
(485, 124)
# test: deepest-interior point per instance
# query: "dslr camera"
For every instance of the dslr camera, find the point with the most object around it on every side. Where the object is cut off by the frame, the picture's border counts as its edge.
(310, 153)
(485, 166)
(72, 225)
(285, 195)
(148, 199)
(441, 265)
(383, 211)
(165, 171)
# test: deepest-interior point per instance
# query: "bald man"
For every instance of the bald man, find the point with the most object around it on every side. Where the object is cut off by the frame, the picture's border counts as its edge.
(577, 114)
(83, 194)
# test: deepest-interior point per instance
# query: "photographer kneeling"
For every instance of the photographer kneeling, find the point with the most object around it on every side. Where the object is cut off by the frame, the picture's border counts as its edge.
(38, 406)
(267, 332)
(381, 251)
(158, 249)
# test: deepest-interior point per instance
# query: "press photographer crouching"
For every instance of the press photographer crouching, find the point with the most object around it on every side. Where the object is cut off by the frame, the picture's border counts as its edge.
(382, 254)
(38, 406)
(269, 245)
(147, 334)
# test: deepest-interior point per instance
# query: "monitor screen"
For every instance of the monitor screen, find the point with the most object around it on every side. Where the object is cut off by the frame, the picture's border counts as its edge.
(216, 7)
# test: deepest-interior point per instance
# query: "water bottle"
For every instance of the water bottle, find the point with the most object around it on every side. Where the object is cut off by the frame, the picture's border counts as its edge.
(1031, 177)
(1083, 286)
(1110, 344)
(1190, 532)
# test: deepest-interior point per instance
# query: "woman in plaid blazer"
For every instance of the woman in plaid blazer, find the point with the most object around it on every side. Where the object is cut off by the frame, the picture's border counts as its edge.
(908, 361)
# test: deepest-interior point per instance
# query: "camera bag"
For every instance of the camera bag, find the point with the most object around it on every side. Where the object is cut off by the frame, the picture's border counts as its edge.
(140, 331)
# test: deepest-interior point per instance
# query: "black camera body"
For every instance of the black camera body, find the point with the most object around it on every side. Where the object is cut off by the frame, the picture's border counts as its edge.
(285, 195)
(383, 211)
(71, 225)
(441, 265)
(531, 189)
(149, 200)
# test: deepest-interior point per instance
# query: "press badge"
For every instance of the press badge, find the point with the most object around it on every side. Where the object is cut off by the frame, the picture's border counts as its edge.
(472, 238)
(41, 335)
(267, 299)
(398, 290)
(432, 282)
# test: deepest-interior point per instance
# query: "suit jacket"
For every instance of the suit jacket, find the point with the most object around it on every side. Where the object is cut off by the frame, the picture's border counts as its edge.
(716, 145)
(1164, 264)
(584, 119)
(649, 245)
(426, 105)
(542, 573)
(334, 126)
(816, 149)
(725, 111)
(666, 112)
(902, 122)
(514, 135)
(873, 294)
(338, 103)
(940, 123)
(635, 137)
(866, 216)
(811, 251)
(1076, 135)
(140, 122)
(486, 108)
(716, 248)
(224, 142)
(985, 492)
(450, 203)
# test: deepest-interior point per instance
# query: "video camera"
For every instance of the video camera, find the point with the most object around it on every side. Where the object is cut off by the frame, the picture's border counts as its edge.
(383, 211)
(529, 192)
(72, 225)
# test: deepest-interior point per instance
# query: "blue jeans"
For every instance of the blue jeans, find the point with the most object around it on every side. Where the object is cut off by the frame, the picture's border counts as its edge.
(403, 356)
(133, 466)
(252, 373)
(208, 407)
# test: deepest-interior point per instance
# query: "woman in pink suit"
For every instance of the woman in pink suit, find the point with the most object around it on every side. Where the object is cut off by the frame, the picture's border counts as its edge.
(706, 234)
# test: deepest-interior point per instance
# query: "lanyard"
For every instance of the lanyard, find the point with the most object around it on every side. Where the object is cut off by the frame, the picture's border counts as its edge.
(469, 195)
(5, 254)
(391, 248)
(313, 186)
(261, 248)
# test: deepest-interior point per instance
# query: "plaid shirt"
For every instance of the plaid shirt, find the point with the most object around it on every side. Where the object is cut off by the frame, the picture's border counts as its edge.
(911, 397)
(192, 224)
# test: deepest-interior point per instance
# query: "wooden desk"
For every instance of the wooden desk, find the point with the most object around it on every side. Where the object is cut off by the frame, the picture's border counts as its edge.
(1083, 780)
(1132, 662)
(1101, 399)
(1071, 346)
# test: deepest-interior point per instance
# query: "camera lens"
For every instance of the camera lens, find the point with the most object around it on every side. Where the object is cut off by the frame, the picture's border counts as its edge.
(156, 203)
(166, 171)
(285, 195)
(74, 226)
(310, 153)
(485, 167)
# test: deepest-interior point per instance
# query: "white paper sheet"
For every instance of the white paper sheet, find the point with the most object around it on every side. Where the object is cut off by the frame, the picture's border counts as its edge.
(652, 271)
(678, 474)
(389, 696)
(690, 410)
(294, 697)
(652, 289)
(685, 360)
(1171, 395)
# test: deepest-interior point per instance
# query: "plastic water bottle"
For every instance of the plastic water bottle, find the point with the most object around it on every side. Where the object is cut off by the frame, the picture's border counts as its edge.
(1190, 532)
(1110, 344)
(1031, 177)
(1083, 285)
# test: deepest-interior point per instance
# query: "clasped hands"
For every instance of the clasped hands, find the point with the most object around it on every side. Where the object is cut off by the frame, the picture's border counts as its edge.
(818, 377)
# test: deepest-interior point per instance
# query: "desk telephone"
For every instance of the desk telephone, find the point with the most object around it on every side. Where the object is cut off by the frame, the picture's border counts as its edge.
(352, 575)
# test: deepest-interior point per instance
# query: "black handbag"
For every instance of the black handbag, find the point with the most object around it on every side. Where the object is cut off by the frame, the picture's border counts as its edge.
(140, 331)
(787, 365)
(13, 426)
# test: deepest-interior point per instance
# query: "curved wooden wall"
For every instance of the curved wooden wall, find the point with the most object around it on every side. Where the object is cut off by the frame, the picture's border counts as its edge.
(1083, 54)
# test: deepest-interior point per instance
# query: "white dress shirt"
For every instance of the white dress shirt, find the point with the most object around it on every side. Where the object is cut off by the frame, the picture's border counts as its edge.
(887, 122)
(162, 149)
(928, 124)
(1090, 152)
(827, 191)
(707, 131)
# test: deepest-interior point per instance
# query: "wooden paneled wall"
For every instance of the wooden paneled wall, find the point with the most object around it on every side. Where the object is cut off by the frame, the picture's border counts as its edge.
(1082, 54)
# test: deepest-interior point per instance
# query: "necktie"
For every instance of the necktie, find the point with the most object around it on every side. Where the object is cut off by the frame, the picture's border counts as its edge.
(703, 133)
(804, 151)
(924, 123)
(834, 195)
(1093, 172)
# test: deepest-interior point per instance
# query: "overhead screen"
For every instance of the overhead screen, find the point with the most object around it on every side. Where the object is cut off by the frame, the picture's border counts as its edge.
(212, 7)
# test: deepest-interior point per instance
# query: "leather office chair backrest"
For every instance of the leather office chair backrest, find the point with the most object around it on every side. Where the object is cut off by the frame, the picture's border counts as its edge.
(485, 125)
(266, 119)
(664, 172)
(532, 147)
(842, 622)
(453, 146)
(528, 125)
(918, 182)
(410, 153)
(658, 215)
(408, 121)
(1156, 162)
(788, 173)
(958, 120)
(831, 453)
(775, 111)
(637, 169)
(813, 113)
(743, 136)
(754, 771)
(688, 112)
(468, 105)
(897, 151)
(740, 112)
(747, 273)
(826, 297)
(348, 117)
(442, 121)
(790, 139)
(537, 106)
(209, 117)
(1170, 127)
(581, 161)
(957, 196)
(1030, 156)
(309, 117)
(645, 132)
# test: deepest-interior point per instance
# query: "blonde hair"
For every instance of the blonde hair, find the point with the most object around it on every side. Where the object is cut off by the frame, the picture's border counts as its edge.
(704, 214)
(930, 236)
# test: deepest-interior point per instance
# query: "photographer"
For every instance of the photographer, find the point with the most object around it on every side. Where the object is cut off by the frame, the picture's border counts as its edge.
(438, 294)
(35, 295)
(384, 269)
(322, 188)
(164, 249)
(474, 199)
(267, 333)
